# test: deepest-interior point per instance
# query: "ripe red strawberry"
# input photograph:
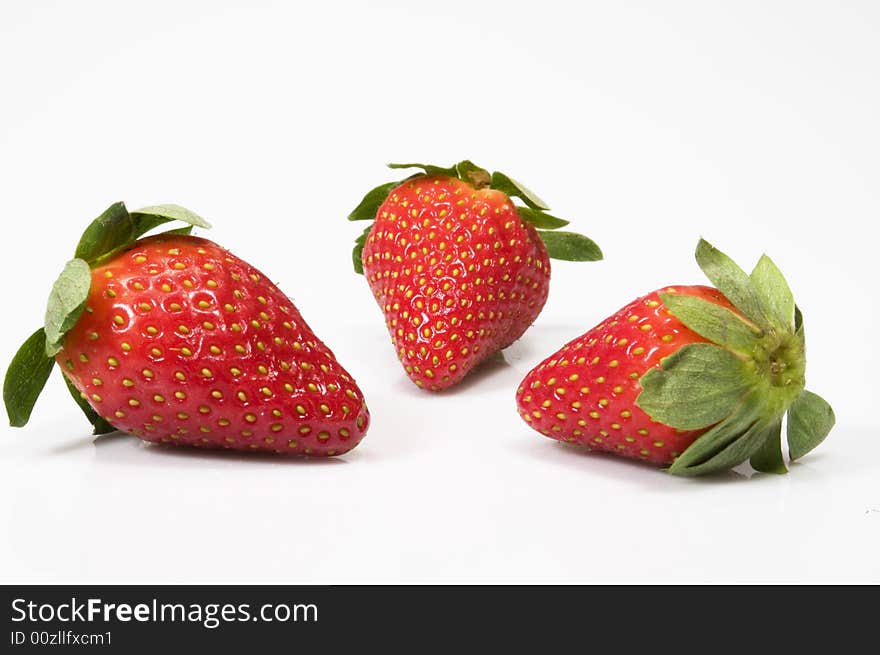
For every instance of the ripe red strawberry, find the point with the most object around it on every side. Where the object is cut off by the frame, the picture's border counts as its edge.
(458, 269)
(687, 376)
(178, 341)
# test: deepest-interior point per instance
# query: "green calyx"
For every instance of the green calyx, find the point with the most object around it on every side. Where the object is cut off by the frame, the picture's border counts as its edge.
(742, 383)
(568, 246)
(111, 232)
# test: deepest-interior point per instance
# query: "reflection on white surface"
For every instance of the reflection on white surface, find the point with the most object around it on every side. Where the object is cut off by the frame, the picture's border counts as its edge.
(442, 489)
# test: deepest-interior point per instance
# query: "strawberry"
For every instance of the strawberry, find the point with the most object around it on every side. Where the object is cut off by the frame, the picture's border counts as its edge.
(690, 377)
(458, 269)
(175, 340)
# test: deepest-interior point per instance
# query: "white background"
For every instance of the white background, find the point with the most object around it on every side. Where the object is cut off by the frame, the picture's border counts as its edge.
(754, 124)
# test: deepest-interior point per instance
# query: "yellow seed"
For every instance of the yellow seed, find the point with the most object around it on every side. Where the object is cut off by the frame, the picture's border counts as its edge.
(250, 418)
(206, 372)
(159, 398)
(180, 395)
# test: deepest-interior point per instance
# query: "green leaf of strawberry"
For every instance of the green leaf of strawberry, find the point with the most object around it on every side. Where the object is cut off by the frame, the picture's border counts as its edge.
(693, 378)
(429, 169)
(810, 419)
(714, 322)
(367, 208)
(566, 246)
(514, 189)
(768, 458)
(541, 220)
(113, 228)
(570, 246)
(26, 377)
(66, 302)
(774, 293)
(165, 214)
(697, 386)
(732, 281)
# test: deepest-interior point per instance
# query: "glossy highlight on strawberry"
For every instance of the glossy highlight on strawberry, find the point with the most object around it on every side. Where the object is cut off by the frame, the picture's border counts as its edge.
(695, 378)
(586, 392)
(458, 274)
(180, 342)
(459, 271)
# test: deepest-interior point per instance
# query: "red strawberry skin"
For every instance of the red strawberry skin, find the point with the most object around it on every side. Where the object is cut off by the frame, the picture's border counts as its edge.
(585, 393)
(183, 343)
(457, 273)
